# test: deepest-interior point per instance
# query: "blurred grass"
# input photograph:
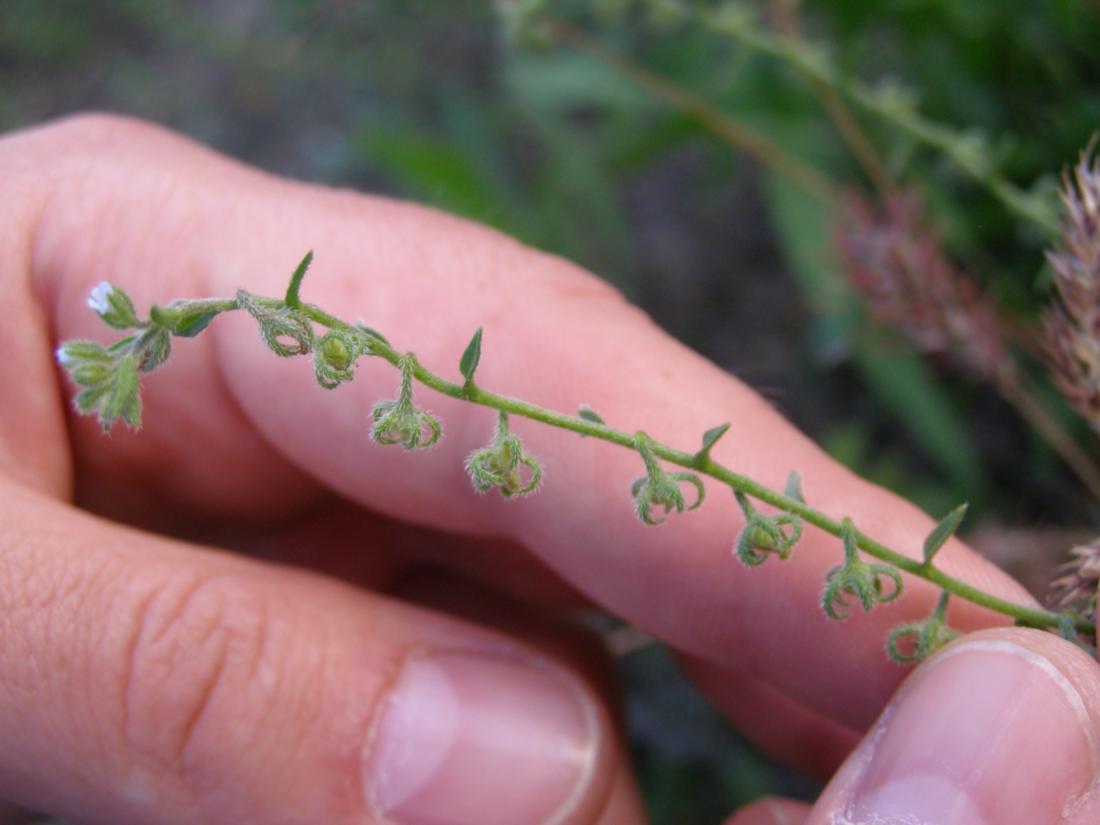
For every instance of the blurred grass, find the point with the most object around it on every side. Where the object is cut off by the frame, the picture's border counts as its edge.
(426, 99)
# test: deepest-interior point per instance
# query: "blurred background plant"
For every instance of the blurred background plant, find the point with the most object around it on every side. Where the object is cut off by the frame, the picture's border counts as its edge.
(845, 204)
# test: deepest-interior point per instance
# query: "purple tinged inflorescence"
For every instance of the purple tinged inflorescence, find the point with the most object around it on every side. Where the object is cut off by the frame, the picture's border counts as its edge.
(896, 262)
(1071, 325)
(1078, 579)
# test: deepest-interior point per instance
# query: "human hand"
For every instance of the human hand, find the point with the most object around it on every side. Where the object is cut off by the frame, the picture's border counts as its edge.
(146, 677)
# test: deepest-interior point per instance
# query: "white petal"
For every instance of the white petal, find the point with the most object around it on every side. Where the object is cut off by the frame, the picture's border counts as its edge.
(99, 296)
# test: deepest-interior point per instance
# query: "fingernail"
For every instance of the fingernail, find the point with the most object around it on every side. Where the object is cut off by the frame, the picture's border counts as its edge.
(472, 738)
(990, 732)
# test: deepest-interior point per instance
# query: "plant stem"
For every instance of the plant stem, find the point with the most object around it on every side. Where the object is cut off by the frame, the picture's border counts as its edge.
(813, 65)
(702, 463)
(706, 113)
(845, 123)
(1013, 389)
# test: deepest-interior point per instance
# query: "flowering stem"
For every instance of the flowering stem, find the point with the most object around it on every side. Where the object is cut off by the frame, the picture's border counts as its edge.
(705, 465)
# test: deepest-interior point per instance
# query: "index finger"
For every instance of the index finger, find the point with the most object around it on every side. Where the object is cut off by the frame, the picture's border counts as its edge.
(190, 223)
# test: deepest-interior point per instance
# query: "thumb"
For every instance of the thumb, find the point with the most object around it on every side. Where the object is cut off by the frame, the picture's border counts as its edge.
(1000, 727)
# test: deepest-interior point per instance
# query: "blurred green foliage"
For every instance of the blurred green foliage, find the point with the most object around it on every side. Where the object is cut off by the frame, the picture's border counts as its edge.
(429, 99)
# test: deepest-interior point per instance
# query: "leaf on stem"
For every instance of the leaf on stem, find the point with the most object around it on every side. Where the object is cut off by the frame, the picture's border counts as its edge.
(471, 357)
(590, 415)
(292, 300)
(373, 333)
(943, 531)
(710, 438)
(793, 489)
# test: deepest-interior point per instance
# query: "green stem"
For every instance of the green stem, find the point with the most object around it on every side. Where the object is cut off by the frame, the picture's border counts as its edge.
(700, 462)
(733, 131)
(1023, 614)
(820, 70)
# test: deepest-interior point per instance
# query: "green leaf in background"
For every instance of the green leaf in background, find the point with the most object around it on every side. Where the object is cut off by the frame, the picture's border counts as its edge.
(435, 170)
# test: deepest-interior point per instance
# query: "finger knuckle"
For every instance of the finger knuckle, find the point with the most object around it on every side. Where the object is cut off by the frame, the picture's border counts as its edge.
(201, 658)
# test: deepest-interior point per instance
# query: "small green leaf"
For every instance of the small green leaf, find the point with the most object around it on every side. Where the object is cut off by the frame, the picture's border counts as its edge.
(87, 401)
(373, 333)
(153, 348)
(794, 487)
(943, 531)
(711, 436)
(71, 353)
(292, 300)
(91, 374)
(589, 414)
(191, 325)
(470, 358)
(122, 398)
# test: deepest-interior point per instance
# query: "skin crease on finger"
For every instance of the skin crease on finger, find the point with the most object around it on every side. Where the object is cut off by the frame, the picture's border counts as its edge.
(50, 473)
(227, 226)
(113, 750)
(51, 476)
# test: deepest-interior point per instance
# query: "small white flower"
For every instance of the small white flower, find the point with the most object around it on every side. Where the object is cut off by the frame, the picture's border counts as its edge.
(99, 297)
(64, 358)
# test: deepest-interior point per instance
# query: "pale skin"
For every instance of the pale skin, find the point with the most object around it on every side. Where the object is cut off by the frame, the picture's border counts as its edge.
(146, 676)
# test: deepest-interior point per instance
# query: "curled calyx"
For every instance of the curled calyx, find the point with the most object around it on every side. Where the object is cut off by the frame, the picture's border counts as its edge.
(867, 584)
(402, 422)
(914, 641)
(286, 330)
(659, 488)
(503, 464)
(334, 356)
(763, 535)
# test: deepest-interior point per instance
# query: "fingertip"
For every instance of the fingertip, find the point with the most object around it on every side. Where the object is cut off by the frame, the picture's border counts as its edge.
(956, 738)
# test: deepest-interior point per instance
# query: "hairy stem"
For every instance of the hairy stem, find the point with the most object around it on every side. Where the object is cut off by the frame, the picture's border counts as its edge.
(705, 465)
